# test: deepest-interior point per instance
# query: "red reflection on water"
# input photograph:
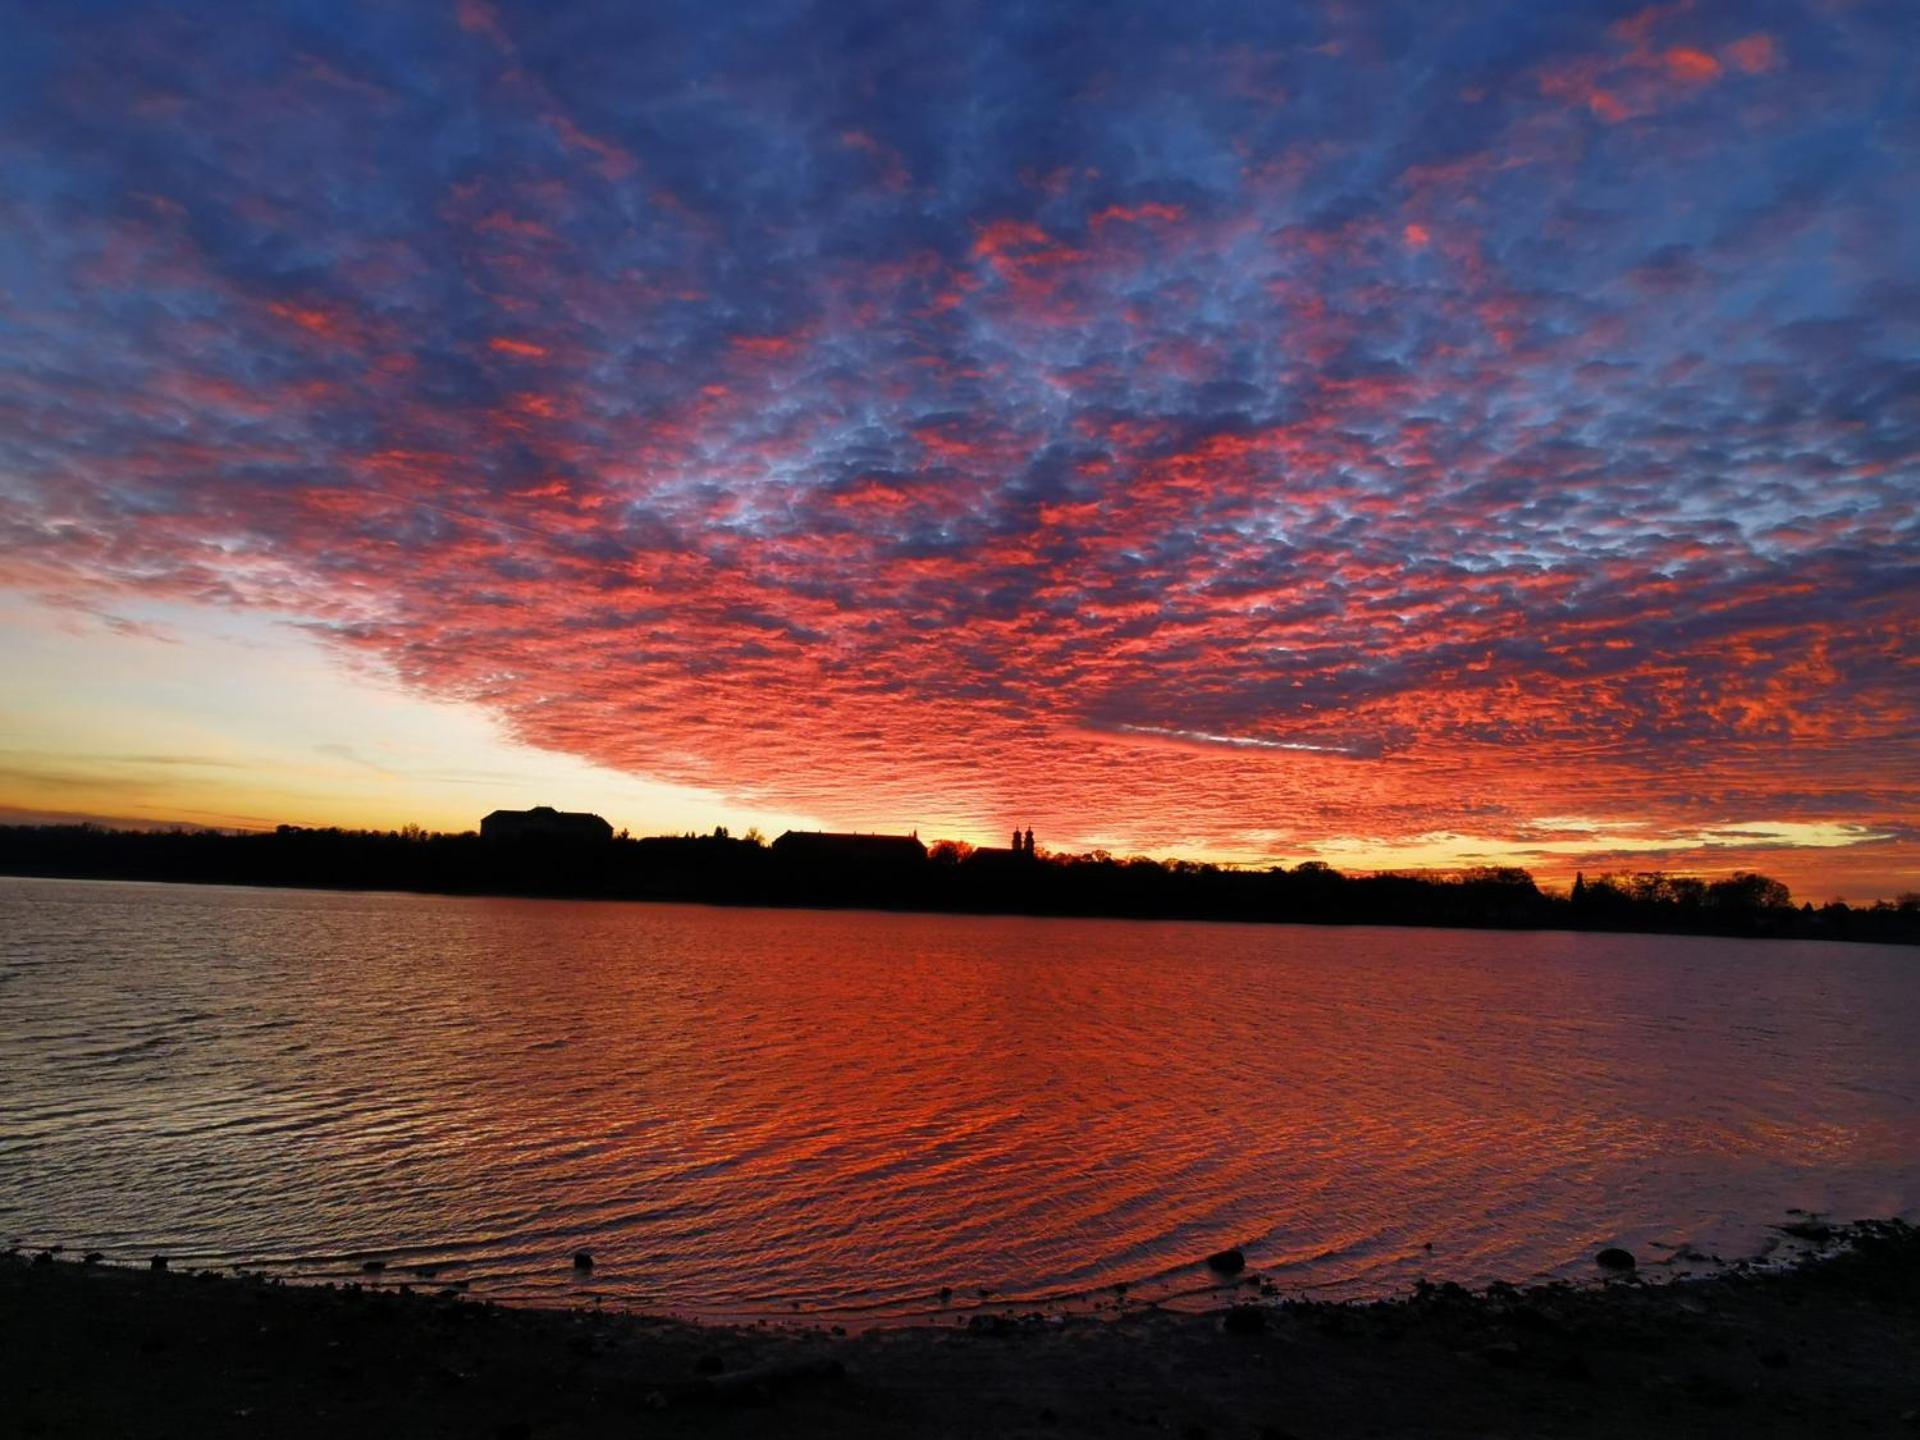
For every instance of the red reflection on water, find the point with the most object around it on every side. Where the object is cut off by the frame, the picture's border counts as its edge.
(741, 1110)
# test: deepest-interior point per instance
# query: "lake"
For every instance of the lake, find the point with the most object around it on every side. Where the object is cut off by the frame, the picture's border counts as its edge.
(768, 1113)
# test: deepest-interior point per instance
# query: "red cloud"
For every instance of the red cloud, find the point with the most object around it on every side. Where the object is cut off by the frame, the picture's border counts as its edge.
(477, 17)
(1754, 54)
(1281, 539)
(1693, 66)
(1137, 214)
(767, 347)
(327, 322)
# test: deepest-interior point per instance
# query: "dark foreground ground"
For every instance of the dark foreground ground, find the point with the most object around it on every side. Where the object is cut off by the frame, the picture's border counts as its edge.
(1832, 1348)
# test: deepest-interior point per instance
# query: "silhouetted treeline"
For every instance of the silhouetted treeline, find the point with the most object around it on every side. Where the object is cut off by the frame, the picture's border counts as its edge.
(721, 869)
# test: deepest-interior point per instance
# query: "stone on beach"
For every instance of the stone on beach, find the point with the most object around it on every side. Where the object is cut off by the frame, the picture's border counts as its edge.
(1614, 1258)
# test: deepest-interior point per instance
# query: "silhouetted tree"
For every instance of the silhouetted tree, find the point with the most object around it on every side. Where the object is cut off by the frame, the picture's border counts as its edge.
(1747, 891)
(1510, 876)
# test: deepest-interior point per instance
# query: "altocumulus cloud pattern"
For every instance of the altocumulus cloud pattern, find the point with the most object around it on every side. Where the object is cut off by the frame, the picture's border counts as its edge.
(1249, 427)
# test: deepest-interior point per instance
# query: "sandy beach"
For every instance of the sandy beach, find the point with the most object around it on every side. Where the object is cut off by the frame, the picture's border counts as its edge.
(1827, 1347)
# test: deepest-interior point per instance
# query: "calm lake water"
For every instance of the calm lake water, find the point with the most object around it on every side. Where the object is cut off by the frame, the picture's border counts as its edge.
(741, 1112)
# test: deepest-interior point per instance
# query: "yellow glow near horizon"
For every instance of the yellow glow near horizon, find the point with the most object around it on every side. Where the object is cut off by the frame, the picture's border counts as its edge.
(222, 719)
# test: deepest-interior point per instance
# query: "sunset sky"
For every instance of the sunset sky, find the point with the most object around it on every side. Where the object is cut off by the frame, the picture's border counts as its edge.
(1395, 434)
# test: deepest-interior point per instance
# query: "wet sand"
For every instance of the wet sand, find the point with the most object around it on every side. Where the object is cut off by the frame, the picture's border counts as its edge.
(1829, 1347)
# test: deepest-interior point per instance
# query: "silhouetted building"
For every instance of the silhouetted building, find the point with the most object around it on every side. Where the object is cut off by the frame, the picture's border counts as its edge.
(824, 847)
(1020, 852)
(543, 822)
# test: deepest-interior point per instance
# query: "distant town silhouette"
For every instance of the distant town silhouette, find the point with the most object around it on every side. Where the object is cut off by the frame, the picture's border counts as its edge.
(548, 852)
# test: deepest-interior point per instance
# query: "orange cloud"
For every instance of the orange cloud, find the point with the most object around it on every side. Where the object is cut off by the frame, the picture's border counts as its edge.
(1695, 67)
(314, 319)
(525, 351)
(1603, 104)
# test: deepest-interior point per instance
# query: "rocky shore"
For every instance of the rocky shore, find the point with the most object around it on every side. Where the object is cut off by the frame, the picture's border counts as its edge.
(1831, 1346)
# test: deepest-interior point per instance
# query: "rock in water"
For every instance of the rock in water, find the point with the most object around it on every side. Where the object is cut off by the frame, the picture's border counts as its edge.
(582, 1260)
(373, 1267)
(159, 1262)
(1614, 1258)
(1227, 1262)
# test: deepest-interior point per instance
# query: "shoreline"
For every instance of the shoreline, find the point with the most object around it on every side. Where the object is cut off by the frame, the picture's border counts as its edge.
(1822, 1345)
(1379, 922)
(1192, 1289)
